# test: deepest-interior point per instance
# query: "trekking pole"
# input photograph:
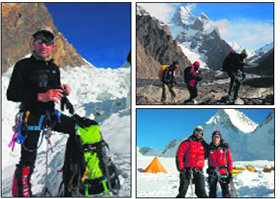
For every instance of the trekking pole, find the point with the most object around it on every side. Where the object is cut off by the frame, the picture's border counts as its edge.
(192, 195)
(45, 190)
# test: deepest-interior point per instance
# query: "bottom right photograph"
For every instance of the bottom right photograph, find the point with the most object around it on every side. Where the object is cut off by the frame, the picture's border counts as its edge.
(205, 152)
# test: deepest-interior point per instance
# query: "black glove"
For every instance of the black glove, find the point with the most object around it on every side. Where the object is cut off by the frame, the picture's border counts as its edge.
(66, 103)
(198, 78)
(83, 121)
(229, 179)
(243, 76)
(183, 170)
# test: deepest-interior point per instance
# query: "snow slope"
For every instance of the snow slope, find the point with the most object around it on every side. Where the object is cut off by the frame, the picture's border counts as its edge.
(248, 184)
(96, 93)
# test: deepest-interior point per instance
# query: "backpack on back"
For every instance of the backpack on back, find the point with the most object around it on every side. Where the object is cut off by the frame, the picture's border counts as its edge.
(227, 65)
(87, 169)
(188, 75)
(162, 68)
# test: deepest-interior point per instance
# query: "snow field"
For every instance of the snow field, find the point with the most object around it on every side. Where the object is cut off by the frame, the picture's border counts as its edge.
(247, 184)
(89, 86)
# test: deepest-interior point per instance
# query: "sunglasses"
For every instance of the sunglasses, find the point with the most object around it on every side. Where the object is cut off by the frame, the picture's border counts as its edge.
(42, 41)
(216, 136)
(198, 131)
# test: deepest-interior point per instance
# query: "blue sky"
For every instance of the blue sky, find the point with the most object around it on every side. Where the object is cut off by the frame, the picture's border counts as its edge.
(100, 32)
(248, 24)
(157, 127)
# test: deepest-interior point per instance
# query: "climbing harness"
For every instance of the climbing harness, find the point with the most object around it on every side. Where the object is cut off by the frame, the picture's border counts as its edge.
(215, 173)
(20, 128)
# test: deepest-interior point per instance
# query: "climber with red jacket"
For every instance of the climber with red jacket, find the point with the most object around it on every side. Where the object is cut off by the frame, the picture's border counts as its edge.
(190, 160)
(219, 165)
(191, 77)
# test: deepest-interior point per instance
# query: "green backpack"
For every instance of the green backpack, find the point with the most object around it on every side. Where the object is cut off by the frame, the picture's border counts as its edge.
(87, 169)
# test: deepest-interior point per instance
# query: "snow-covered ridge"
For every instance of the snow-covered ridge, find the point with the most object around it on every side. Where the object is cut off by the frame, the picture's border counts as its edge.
(265, 48)
(243, 135)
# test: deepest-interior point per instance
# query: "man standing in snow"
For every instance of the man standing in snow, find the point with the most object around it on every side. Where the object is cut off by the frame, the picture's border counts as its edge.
(220, 165)
(191, 77)
(233, 65)
(190, 160)
(168, 81)
(35, 82)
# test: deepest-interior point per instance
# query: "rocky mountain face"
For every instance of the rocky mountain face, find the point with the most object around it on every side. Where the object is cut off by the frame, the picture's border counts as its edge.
(201, 36)
(155, 46)
(19, 22)
(265, 64)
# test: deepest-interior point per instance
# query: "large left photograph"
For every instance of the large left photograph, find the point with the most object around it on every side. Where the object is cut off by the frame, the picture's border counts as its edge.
(66, 117)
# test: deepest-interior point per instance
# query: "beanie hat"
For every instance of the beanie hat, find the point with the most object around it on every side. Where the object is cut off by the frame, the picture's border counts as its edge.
(196, 63)
(217, 133)
(175, 63)
(244, 52)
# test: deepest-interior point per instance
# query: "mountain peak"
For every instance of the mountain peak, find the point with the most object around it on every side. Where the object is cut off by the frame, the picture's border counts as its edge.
(183, 16)
(141, 11)
(203, 16)
(237, 119)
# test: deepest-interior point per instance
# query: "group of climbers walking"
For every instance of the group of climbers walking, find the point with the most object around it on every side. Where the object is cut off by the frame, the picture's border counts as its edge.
(190, 159)
(232, 65)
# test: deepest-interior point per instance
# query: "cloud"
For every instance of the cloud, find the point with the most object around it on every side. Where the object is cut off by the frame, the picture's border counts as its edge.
(247, 33)
(161, 11)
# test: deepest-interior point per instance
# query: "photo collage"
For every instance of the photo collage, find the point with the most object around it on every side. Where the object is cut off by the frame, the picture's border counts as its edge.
(139, 99)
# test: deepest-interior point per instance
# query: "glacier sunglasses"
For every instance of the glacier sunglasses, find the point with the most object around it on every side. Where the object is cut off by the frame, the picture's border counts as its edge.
(42, 41)
(216, 137)
(198, 131)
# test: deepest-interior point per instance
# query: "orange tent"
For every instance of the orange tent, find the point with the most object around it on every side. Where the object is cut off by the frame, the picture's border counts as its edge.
(155, 167)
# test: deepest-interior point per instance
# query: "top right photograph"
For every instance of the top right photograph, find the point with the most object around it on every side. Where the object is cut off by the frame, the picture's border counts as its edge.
(205, 53)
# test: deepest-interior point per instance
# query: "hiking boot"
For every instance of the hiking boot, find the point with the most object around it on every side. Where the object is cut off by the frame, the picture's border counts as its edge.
(239, 101)
(21, 181)
(174, 100)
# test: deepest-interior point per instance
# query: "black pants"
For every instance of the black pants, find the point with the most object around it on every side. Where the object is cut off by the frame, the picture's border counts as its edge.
(234, 85)
(29, 146)
(198, 180)
(213, 180)
(192, 91)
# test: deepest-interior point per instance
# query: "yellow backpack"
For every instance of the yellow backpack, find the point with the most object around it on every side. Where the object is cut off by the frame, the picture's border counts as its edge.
(162, 68)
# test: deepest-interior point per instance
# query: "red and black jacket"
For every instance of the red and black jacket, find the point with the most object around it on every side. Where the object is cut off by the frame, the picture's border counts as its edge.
(191, 76)
(220, 158)
(191, 153)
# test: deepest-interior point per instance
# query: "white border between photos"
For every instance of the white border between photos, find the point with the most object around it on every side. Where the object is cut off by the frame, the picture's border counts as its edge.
(276, 88)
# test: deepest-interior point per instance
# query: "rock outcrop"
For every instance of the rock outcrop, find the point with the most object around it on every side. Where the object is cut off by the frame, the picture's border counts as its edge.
(19, 22)
(155, 47)
(266, 64)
